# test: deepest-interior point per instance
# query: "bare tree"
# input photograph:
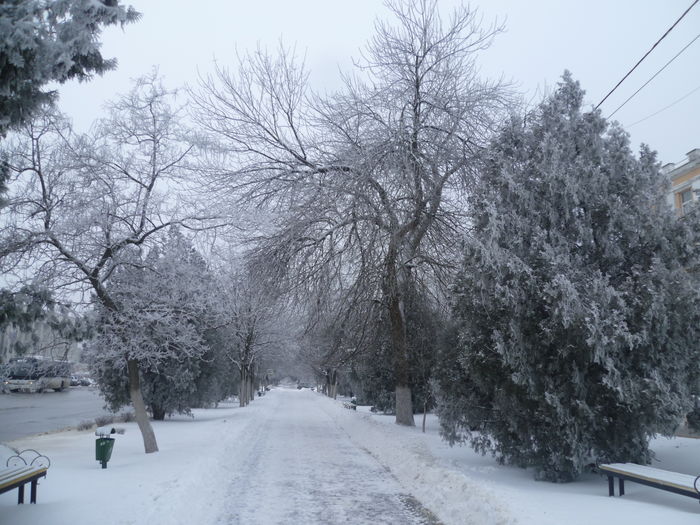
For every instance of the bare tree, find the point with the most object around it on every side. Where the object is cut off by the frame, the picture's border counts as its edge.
(248, 318)
(326, 351)
(366, 184)
(80, 206)
(342, 332)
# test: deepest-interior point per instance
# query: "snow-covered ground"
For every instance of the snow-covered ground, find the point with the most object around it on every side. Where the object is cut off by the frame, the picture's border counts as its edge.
(296, 457)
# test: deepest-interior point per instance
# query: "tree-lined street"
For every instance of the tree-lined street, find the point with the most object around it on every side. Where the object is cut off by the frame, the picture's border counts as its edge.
(423, 239)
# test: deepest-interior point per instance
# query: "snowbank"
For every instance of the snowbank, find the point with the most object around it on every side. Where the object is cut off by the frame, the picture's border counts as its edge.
(451, 495)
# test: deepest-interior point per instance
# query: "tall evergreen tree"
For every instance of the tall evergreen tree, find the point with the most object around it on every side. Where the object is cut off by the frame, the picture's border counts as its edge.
(373, 375)
(33, 322)
(4, 178)
(50, 40)
(577, 306)
(163, 316)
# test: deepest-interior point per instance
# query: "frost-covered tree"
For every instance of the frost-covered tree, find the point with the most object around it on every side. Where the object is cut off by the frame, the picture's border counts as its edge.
(82, 207)
(372, 370)
(26, 306)
(364, 185)
(579, 314)
(342, 329)
(249, 329)
(4, 177)
(218, 376)
(50, 40)
(32, 321)
(165, 311)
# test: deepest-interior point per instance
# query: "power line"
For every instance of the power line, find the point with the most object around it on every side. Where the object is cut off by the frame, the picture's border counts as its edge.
(664, 108)
(647, 53)
(654, 76)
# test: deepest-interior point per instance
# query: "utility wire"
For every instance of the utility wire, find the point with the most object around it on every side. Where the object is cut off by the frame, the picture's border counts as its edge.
(664, 108)
(654, 76)
(647, 53)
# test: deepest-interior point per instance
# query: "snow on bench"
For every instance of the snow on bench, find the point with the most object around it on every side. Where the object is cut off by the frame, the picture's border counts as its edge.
(675, 482)
(26, 467)
(17, 477)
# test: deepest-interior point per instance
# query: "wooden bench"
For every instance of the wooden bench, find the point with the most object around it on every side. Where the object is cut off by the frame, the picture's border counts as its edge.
(26, 467)
(675, 482)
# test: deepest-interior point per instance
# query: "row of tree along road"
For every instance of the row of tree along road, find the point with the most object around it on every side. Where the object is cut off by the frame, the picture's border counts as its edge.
(417, 238)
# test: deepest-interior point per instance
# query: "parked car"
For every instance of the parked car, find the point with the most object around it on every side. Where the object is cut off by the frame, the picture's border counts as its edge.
(81, 380)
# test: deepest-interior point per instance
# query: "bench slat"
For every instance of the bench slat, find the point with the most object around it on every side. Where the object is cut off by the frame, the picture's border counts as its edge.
(13, 476)
(16, 471)
(667, 478)
(10, 473)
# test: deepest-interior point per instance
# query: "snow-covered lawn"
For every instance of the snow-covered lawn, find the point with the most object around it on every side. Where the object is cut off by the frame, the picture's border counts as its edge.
(518, 498)
(215, 467)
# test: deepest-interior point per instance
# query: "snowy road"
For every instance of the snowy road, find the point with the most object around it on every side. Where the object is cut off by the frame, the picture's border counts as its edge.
(296, 466)
(26, 414)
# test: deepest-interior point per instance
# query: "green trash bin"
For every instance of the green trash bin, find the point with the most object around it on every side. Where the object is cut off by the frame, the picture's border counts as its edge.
(103, 450)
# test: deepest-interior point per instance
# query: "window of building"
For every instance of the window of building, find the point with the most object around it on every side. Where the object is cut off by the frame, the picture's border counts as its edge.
(685, 199)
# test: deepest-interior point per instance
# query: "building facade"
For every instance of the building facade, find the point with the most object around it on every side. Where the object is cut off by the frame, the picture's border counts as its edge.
(685, 182)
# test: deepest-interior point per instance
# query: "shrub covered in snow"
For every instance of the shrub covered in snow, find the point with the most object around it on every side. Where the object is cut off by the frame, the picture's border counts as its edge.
(578, 315)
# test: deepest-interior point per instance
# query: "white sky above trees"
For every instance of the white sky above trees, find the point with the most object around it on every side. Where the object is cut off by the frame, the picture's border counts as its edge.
(597, 40)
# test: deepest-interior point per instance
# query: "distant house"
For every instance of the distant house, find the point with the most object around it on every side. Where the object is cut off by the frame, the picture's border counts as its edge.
(685, 181)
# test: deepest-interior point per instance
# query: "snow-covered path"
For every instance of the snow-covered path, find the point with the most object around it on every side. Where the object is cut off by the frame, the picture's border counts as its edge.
(297, 457)
(296, 465)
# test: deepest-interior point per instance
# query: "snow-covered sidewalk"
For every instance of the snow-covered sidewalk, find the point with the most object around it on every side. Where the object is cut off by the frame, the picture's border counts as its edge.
(295, 464)
(298, 457)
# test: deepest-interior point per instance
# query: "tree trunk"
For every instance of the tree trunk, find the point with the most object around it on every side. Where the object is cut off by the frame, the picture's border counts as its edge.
(404, 406)
(242, 387)
(158, 413)
(251, 386)
(247, 386)
(149, 437)
(397, 330)
(330, 388)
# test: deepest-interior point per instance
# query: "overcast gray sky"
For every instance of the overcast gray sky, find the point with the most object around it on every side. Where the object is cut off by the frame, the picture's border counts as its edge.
(597, 40)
